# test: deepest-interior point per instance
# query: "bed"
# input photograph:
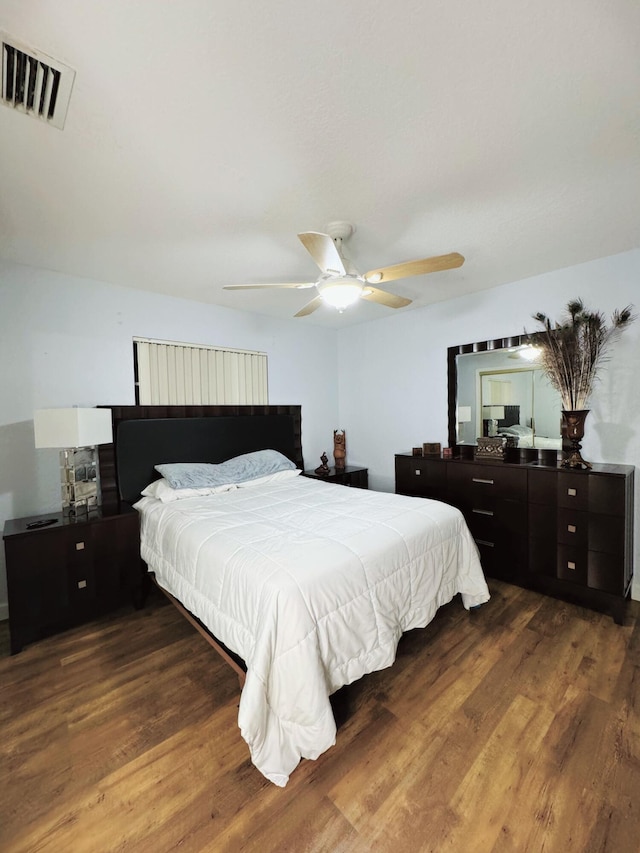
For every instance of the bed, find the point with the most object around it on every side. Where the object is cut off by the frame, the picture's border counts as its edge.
(311, 584)
(523, 436)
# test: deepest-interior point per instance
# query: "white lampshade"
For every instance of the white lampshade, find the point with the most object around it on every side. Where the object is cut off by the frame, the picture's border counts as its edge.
(72, 427)
(340, 293)
(494, 412)
(464, 414)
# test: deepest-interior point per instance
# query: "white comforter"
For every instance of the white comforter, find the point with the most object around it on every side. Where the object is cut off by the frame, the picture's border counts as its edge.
(312, 584)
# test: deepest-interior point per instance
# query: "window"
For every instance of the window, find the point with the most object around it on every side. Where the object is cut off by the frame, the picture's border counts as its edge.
(168, 373)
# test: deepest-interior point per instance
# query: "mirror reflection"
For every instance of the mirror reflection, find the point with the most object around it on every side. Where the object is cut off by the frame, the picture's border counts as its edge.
(505, 393)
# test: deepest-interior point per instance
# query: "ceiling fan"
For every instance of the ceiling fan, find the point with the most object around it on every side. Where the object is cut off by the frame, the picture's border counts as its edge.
(340, 284)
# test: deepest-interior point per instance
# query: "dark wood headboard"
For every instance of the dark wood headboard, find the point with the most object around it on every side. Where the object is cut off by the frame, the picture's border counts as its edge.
(145, 436)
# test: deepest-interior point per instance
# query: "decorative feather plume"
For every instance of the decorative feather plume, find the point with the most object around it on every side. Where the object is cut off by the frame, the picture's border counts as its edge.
(572, 350)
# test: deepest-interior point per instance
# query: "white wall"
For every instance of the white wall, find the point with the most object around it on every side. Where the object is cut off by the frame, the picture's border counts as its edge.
(393, 372)
(68, 342)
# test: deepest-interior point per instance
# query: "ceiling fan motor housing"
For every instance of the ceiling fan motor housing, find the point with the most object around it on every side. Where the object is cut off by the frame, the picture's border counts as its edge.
(340, 230)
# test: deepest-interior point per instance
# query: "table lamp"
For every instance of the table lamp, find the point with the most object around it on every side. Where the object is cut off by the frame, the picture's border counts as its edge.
(492, 414)
(77, 431)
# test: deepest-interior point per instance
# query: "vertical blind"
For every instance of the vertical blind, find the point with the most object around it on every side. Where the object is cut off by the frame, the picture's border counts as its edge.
(169, 373)
(499, 392)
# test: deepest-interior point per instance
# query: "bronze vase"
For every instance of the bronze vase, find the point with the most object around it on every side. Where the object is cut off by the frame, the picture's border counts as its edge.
(573, 432)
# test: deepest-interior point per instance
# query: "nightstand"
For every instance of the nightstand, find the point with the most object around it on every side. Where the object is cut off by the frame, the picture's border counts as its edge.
(350, 475)
(69, 571)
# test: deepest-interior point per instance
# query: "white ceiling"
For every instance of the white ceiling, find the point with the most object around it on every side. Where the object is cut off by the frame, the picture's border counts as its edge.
(203, 135)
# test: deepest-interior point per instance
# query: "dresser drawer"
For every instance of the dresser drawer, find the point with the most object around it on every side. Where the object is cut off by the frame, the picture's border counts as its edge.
(506, 518)
(39, 588)
(502, 557)
(573, 491)
(607, 495)
(607, 534)
(597, 493)
(572, 564)
(420, 477)
(501, 537)
(606, 572)
(489, 558)
(473, 484)
(603, 533)
(573, 527)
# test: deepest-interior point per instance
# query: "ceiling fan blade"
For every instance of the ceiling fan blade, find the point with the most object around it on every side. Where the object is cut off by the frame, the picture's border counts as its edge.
(323, 251)
(300, 286)
(310, 307)
(420, 267)
(391, 300)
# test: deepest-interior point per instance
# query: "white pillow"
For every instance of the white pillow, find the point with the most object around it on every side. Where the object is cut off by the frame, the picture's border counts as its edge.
(270, 478)
(161, 490)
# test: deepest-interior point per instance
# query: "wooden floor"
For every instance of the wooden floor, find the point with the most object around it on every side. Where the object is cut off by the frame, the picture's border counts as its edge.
(515, 728)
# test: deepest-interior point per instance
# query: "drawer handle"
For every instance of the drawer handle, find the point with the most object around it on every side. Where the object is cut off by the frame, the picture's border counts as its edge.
(483, 512)
(417, 473)
(571, 528)
(82, 584)
(484, 542)
(572, 492)
(485, 482)
(571, 565)
(79, 546)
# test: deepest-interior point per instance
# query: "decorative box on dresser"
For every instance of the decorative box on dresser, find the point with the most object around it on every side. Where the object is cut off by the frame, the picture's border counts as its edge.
(70, 571)
(567, 533)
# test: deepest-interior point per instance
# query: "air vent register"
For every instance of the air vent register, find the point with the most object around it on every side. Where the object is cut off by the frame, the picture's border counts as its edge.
(34, 83)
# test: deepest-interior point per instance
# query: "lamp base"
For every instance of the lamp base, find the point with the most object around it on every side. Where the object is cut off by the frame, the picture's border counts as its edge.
(79, 480)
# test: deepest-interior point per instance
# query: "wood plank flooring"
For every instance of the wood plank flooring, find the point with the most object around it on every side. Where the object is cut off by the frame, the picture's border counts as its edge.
(514, 728)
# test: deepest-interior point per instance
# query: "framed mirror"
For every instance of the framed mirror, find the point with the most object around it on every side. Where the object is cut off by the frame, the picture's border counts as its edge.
(496, 388)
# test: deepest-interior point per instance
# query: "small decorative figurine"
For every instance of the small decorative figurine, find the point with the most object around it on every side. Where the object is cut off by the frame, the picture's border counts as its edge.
(339, 448)
(324, 468)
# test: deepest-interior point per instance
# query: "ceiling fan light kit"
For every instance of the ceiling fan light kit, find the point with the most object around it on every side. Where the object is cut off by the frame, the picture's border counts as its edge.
(340, 284)
(340, 292)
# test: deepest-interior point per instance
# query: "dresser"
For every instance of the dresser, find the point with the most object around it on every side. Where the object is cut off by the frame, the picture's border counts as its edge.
(566, 533)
